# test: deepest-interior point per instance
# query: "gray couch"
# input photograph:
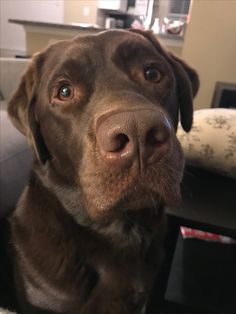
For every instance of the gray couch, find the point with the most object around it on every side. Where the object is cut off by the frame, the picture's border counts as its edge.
(15, 160)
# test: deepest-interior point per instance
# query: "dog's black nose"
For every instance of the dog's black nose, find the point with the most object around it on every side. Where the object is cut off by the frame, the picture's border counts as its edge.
(138, 134)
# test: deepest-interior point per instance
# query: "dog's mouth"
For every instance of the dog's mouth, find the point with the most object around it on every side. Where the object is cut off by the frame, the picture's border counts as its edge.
(132, 192)
(137, 196)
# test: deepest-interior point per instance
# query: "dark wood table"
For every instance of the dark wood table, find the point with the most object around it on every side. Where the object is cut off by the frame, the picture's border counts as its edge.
(209, 204)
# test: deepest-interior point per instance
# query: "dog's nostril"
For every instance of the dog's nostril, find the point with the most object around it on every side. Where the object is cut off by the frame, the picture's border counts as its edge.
(120, 141)
(155, 137)
(151, 137)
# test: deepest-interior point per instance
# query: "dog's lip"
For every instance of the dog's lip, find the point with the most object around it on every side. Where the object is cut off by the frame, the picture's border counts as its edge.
(145, 208)
(144, 213)
(148, 201)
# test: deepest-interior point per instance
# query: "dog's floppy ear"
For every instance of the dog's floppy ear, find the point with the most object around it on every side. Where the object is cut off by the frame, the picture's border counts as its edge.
(21, 108)
(187, 88)
(187, 82)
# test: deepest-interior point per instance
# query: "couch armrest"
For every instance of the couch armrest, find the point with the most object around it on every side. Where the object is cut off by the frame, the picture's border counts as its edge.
(10, 73)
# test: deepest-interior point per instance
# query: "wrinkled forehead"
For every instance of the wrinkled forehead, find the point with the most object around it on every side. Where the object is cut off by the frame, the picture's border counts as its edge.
(97, 50)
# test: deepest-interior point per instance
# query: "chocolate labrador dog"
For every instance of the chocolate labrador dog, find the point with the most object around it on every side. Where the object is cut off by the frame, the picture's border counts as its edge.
(101, 113)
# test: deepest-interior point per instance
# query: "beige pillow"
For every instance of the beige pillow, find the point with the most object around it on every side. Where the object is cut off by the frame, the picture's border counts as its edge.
(212, 141)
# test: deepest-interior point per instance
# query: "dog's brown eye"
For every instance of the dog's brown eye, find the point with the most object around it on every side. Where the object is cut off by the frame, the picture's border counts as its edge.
(65, 92)
(152, 75)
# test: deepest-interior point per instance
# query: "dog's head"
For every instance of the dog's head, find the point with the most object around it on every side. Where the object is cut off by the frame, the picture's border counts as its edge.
(101, 112)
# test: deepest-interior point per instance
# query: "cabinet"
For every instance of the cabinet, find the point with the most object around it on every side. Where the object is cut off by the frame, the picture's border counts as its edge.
(114, 5)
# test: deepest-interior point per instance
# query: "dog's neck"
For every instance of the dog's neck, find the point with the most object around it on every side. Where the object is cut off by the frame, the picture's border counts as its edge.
(48, 240)
(129, 232)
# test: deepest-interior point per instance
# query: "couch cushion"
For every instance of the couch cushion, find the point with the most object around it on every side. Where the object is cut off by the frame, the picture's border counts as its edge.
(211, 143)
(15, 164)
(3, 105)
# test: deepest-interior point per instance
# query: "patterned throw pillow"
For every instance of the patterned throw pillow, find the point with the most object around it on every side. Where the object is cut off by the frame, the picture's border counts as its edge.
(4, 311)
(212, 141)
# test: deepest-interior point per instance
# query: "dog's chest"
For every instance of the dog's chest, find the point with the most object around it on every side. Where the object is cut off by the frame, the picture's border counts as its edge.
(121, 286)
(114, 273)
(116, 278)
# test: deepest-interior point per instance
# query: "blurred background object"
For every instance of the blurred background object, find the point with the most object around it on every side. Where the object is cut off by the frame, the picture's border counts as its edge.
(196, 31)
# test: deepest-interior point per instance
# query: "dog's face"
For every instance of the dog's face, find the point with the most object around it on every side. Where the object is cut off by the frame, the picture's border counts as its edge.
(101, 112)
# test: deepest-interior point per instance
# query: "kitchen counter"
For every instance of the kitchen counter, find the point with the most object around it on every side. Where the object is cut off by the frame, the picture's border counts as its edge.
(41, 34)
(59, 27)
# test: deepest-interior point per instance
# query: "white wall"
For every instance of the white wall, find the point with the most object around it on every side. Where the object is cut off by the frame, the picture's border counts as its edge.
(210, 45)
(12, 36)
(83, 11)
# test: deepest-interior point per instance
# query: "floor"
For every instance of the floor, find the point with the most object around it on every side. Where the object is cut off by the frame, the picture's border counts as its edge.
(203, 278)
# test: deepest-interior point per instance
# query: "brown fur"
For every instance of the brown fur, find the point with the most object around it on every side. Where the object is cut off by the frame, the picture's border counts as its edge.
(88, 235)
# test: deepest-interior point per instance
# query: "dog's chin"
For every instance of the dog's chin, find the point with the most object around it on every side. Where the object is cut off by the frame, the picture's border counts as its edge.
(137, 201)
(145, 195)
(136, 198)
